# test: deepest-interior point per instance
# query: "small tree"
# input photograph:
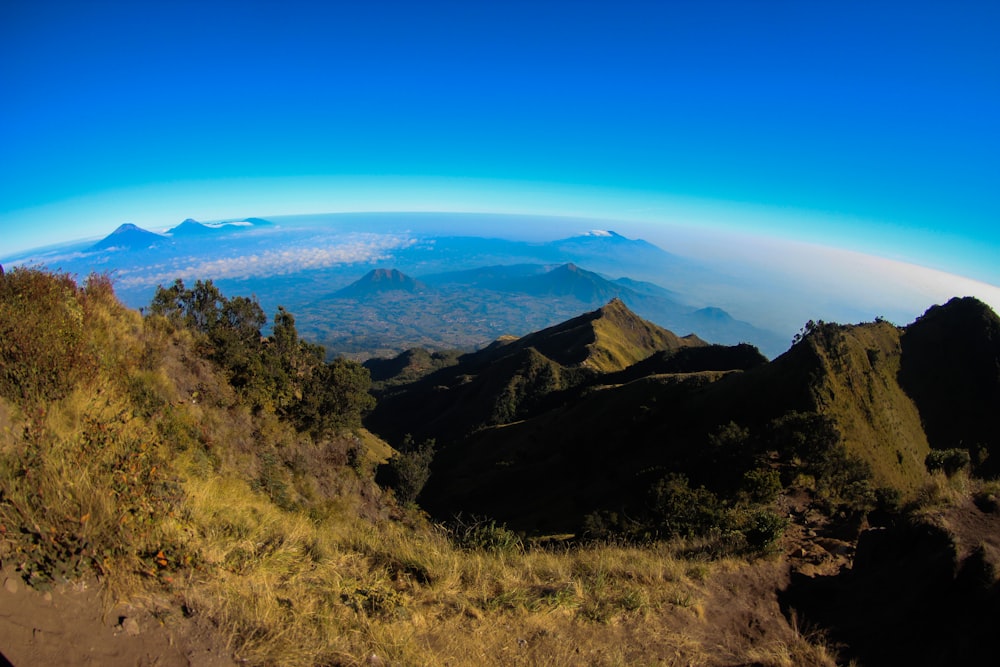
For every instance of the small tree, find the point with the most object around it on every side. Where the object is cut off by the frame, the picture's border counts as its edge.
(407, 471)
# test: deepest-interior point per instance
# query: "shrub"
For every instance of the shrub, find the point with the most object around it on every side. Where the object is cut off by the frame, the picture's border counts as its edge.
(761, 485)
(680, 511)
(105, 499)
(408, 470)
(950, 461)
(42, 335)
(763, 529)
(484, 535)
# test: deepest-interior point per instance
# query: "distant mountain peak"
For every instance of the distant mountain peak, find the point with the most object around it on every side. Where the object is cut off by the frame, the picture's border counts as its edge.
(128, 237)
(607, 339)
(378, 281)
(569, 267)
(393, 276)
(569, 280)
(190, 227)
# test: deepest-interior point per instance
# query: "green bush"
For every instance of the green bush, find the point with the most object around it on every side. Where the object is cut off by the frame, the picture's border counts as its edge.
(680, 511)
(761, 485)
(43, 349)
(408, 470)
(763, 528)
(950, 461)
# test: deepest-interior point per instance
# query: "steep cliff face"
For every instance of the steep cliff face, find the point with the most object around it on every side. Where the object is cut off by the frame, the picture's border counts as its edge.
(951, 367)
(855, 383)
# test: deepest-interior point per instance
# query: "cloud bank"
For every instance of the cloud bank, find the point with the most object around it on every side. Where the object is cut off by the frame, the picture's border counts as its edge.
(317, 254)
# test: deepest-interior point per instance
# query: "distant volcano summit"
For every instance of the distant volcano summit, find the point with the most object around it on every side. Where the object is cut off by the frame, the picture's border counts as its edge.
(130, 237)
(190, 227)
(377, 281)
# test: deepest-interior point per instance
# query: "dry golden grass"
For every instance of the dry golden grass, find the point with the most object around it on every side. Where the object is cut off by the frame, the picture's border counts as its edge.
(287, 590)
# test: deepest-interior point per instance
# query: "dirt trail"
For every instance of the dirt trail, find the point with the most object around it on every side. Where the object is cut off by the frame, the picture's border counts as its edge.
(65, 627)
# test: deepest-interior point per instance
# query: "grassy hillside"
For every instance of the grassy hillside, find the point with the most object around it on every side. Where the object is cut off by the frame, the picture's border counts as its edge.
(199, 471)
(837, 417)
(608, 339)
(858, 388)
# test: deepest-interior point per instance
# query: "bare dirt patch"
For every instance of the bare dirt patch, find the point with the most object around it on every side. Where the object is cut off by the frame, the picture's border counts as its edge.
(71, 626)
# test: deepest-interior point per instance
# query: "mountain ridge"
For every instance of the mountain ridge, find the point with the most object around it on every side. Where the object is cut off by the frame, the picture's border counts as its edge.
(840, 383)
(514, 376)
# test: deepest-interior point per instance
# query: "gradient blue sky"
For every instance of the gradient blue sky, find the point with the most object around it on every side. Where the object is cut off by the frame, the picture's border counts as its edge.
(868, 126)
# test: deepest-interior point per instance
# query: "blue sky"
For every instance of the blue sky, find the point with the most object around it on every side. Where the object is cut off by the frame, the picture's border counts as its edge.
(868, 126)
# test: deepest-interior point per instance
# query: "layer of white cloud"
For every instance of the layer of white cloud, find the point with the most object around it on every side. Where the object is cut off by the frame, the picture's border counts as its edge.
(325, 253)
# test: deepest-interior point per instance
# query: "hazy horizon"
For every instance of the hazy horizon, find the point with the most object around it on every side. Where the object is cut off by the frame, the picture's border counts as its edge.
(770, 282)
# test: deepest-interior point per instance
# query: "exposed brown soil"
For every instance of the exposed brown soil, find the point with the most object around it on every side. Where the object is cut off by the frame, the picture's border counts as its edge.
(70, 626)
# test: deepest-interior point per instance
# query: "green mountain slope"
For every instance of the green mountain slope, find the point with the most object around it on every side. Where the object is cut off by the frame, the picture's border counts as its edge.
(515, 377)
(839, 407)
(608, 339)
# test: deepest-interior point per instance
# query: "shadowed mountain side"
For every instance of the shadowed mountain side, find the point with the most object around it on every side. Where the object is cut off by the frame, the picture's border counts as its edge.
(546, 473)
(951, 367)
(509, 379)
(692, 360)
(410, 365)
(603, 451)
